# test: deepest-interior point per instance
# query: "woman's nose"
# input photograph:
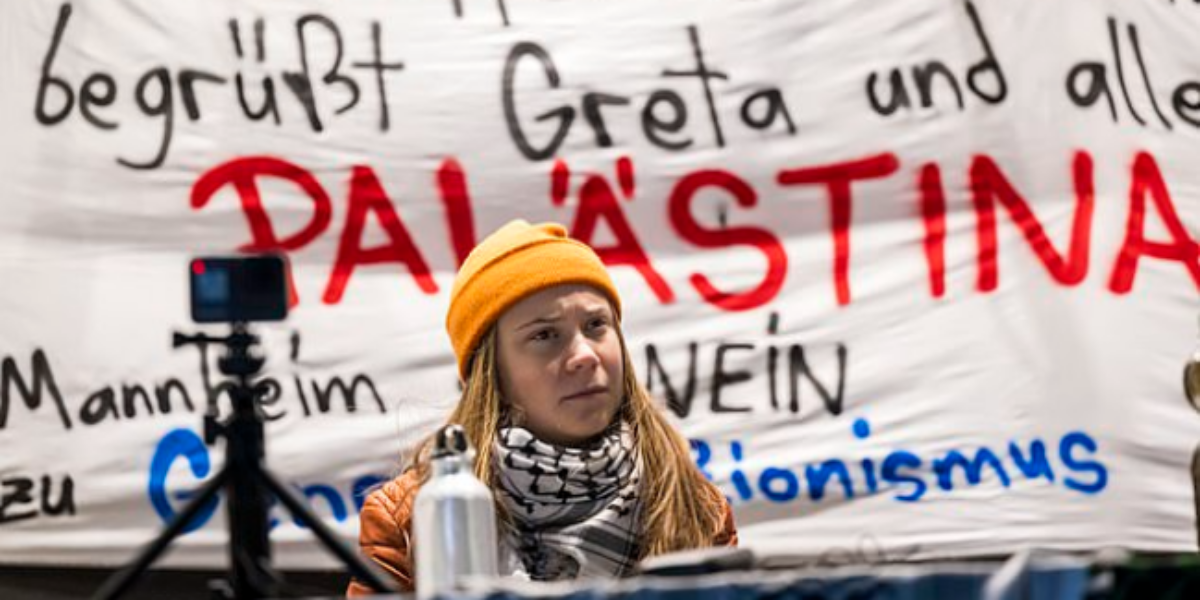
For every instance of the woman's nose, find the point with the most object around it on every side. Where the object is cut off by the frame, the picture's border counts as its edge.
(581, 354)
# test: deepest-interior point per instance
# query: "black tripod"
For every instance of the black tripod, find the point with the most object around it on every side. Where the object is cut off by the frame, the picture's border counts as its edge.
(247, 482)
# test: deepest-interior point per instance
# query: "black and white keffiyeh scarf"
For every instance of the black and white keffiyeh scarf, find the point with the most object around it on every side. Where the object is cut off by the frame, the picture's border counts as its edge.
(575, 511)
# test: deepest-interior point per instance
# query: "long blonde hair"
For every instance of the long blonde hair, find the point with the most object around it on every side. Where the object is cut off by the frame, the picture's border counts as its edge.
(680, 508)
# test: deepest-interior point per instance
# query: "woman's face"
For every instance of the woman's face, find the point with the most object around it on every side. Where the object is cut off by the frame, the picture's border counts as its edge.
(560, 363)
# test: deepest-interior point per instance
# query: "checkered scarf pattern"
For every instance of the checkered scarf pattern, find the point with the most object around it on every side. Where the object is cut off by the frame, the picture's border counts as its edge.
(575, 511)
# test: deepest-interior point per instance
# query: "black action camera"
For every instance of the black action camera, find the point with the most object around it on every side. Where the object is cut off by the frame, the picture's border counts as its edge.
(239, 289)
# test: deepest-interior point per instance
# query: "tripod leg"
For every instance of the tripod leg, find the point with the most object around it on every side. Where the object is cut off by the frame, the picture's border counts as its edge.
(357, 567)
(119, 582)
(1196, 489)
(250, 572)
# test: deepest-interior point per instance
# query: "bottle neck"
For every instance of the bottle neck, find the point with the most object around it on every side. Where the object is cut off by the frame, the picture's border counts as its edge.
(450, 465)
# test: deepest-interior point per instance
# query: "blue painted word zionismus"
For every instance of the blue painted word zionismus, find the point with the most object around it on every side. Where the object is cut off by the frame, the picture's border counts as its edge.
(907, 475)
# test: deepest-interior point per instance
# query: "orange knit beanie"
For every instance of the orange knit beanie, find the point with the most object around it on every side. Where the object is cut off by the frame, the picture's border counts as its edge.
(515, 261)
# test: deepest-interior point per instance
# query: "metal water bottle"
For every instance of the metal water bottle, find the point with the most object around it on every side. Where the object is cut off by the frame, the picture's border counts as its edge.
(454, 520)
(1191, 377)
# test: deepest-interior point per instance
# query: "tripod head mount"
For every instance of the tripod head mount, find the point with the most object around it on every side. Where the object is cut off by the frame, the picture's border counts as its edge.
(237, 362)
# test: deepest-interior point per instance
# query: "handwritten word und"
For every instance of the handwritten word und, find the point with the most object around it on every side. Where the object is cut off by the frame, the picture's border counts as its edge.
(925, 75)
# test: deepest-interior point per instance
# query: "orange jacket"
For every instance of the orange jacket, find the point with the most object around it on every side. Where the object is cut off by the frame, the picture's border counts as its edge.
(385, 525)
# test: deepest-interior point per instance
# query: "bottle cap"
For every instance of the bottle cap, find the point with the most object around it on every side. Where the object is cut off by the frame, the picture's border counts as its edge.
(451, 440)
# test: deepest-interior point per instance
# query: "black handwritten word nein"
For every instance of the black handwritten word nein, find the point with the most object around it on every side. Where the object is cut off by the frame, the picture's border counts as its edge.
(315, 87)
(793, 359)
(664, 115)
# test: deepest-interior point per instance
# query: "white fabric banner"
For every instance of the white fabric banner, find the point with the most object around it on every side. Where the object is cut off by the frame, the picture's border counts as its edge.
(917, 279)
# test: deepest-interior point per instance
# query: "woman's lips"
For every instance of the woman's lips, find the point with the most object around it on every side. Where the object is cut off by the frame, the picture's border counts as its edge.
(588, 393)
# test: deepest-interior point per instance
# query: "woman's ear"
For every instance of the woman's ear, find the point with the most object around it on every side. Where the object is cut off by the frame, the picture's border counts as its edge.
(511, 415)
(517, 415)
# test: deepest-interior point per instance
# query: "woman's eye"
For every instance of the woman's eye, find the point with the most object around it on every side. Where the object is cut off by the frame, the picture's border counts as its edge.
(542, 335)
(598, 323)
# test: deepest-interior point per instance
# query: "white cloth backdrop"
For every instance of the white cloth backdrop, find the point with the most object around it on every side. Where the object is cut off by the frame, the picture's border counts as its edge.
(916, 278)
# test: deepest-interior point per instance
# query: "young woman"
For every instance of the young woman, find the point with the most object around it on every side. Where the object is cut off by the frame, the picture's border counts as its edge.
(588, 476)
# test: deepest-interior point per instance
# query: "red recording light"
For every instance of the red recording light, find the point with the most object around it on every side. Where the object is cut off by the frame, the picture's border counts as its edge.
(198, 267)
